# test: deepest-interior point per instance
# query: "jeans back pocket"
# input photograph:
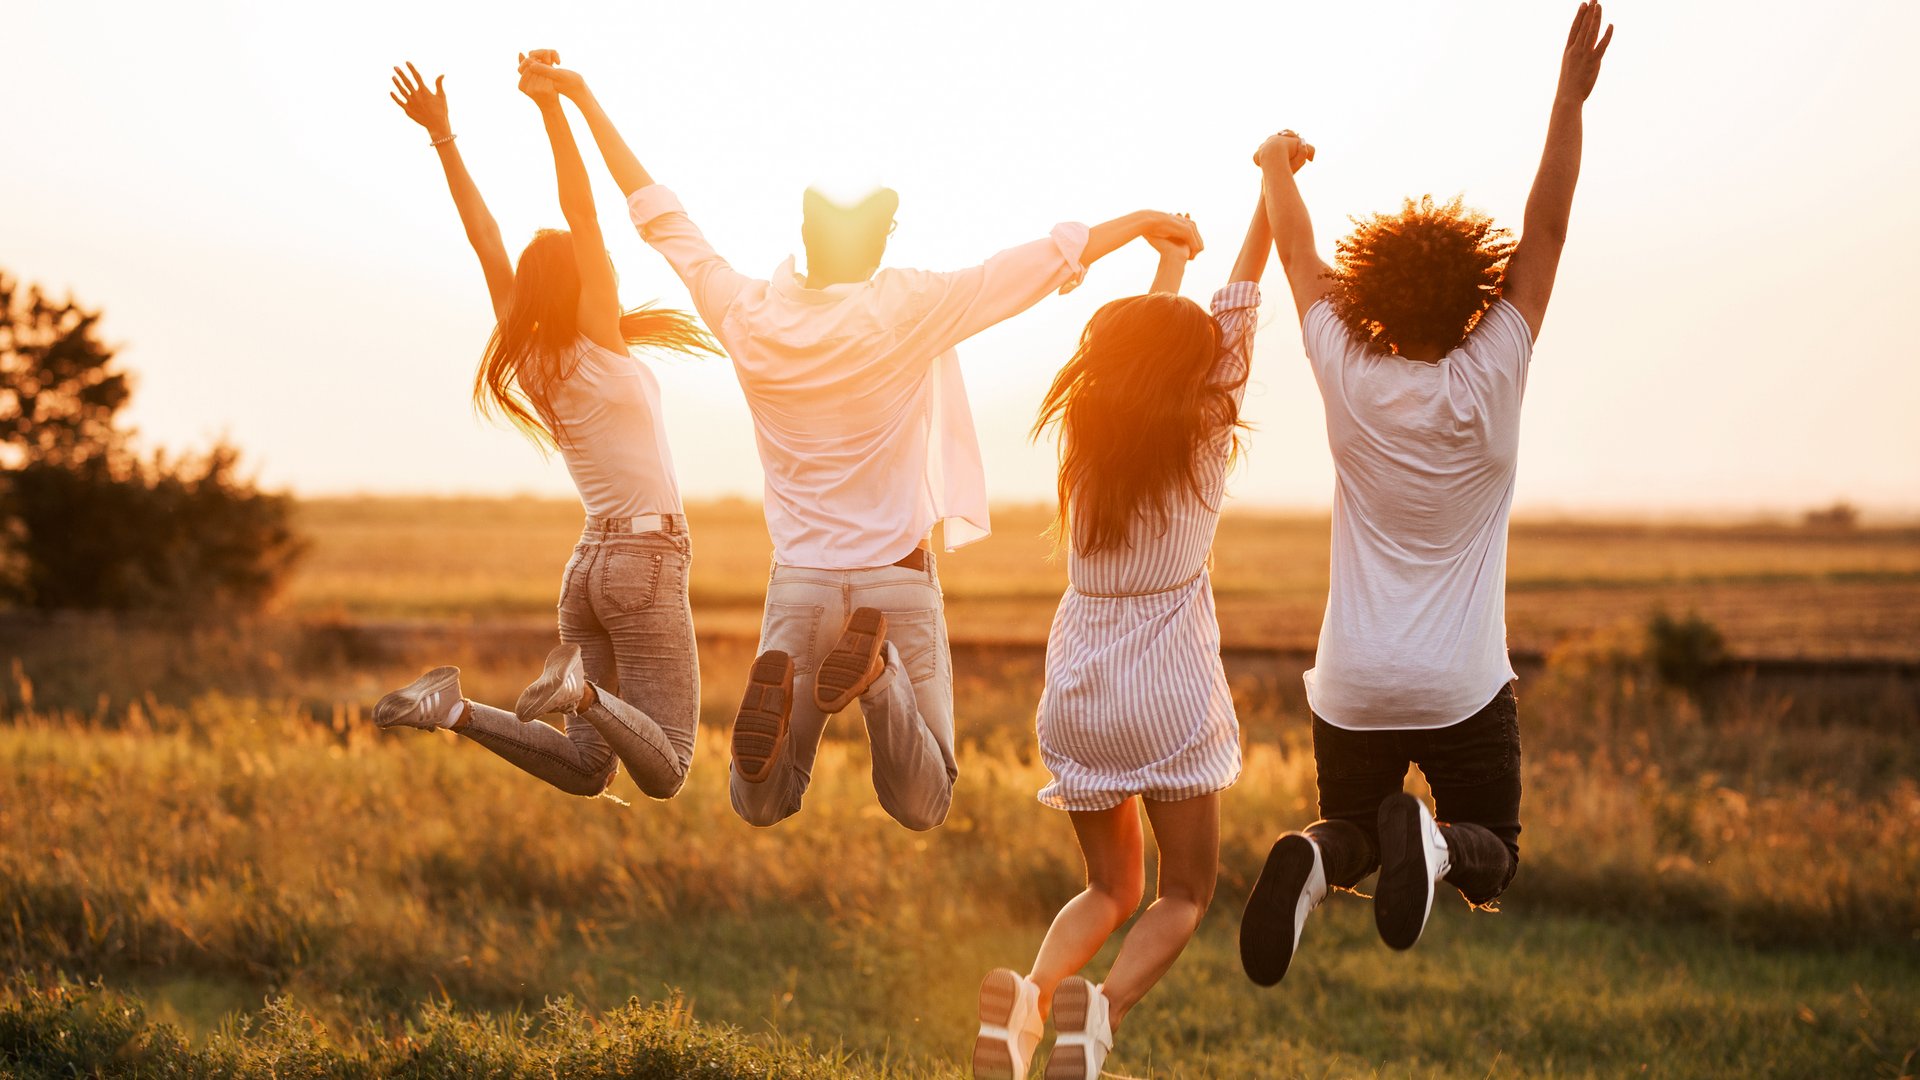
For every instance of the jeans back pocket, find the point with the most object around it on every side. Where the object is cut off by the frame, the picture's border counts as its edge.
(630, 580)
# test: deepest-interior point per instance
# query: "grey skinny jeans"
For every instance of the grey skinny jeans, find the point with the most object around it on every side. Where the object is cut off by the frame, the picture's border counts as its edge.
(623, 600)
(909, 709)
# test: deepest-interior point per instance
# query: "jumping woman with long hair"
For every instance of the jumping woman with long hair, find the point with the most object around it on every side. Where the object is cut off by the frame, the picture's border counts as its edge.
(1136, 712)
(625, 678)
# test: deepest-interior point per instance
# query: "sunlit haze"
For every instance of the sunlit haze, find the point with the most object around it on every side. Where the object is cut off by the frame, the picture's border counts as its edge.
(273, 244)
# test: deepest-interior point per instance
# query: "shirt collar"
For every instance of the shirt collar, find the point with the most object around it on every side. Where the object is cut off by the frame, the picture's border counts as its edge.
(792, 285)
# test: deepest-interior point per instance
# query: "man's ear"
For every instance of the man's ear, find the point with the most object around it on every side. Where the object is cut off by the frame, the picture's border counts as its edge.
(882, 204)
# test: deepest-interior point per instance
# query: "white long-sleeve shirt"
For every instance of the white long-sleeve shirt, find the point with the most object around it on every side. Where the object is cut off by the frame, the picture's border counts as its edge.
(861, 417)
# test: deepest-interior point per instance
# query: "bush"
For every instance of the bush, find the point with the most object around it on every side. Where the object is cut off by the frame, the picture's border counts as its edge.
(187, 537)
(1686, 652)
(86, 523)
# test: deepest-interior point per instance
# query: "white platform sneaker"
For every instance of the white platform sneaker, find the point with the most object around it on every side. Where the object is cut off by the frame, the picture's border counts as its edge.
(1010, 1026)
(1082, 1034)
(431, 701)
(560, 687)
(1413, 855)
(1291, 885)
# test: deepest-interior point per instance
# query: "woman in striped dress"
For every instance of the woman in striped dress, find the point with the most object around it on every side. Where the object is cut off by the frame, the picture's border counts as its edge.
(1136, 706)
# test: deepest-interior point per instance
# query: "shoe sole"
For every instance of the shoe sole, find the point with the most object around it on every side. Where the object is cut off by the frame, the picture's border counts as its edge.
(1070, 1005)
(992, 1057)
(854, 663)
(760, 728)
(543, 696)
(1267, 927)
(392, 710)
(1404, 897)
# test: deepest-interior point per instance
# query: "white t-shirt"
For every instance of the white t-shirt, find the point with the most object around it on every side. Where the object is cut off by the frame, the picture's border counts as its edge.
(1415, 634)
(612, 438)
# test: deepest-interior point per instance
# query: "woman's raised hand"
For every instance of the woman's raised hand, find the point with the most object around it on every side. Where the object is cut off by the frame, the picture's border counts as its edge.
(425, 107)
(536, 84)
(1586, 47)
(545, 64)
(1285, 146)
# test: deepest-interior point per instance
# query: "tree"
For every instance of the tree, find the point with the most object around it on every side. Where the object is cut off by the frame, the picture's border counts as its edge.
(89, 523)
(58, 387)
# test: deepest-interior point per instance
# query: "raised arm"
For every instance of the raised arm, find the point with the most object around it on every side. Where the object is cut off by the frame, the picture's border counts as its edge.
(656, 213)
(1174, 256)
(599, 312)
(428, 108)
(1110, 236)
(1536, 259)
(621, 162)
(1279, 158)
(1252, 262)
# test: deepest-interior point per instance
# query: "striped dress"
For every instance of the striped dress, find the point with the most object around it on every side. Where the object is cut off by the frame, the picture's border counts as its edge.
(1136, 702)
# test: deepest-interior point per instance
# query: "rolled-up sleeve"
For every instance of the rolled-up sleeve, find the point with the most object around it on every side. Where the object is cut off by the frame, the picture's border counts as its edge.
(662, 222)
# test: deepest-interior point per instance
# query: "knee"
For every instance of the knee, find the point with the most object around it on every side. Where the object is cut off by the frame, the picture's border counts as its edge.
(759, 810)
(921, 818)
(1195, 894)
(661, 787)
(592, 780)
(1122, 895)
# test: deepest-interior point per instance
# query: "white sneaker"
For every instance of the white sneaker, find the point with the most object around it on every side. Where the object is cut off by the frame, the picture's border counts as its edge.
(1413, 855)
(1291, 884)
(430, 701)
(1010, 1026)
(1082, 1035)
(558, 689)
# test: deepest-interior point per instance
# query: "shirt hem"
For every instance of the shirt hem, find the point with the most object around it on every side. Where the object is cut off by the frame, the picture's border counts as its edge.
(1510, 677)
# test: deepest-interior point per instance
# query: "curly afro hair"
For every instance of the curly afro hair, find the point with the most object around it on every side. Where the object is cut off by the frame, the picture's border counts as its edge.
(1420, 278)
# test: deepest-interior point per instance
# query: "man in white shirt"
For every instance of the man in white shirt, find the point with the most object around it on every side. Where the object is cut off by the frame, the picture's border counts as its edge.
(867, 442)
(1420, 341)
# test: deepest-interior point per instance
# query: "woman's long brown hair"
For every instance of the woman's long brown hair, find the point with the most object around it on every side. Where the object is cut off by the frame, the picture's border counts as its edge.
(1134, 407)
(532, 347)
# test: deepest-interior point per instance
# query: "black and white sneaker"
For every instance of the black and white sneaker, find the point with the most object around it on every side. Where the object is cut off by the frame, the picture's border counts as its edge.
(1413, 855)
(1291, 884)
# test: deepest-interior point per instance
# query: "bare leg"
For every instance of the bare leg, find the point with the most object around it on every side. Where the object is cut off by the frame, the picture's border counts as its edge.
(1112, 845)
(1187, 834)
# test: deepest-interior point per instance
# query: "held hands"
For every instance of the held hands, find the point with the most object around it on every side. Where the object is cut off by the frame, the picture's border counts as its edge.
(1169, 245)
(425, 107)
(1287, 147)
(536, 84)
(1580, 63)
(1172, 233)
(544, 64)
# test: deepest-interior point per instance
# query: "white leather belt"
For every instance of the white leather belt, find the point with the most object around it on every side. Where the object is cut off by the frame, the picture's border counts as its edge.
(603, 528)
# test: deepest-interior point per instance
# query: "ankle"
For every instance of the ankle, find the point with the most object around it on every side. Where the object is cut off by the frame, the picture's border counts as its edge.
(462, 715)
(587, 698)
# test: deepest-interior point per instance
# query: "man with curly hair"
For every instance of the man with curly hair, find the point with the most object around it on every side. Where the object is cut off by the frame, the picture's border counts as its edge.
(1420, 338)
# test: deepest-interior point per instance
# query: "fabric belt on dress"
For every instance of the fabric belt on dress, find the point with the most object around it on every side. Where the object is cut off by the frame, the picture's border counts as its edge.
(607, 528)
(1191, 578)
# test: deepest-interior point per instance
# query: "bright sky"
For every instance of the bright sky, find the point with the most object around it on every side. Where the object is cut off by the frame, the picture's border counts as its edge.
(274, 246)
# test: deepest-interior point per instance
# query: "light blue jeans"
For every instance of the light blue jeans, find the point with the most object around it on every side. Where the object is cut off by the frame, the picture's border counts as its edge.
(908, 710)
(623, 600)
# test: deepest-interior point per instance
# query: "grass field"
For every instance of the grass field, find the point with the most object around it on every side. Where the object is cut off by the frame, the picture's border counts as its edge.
(1701, 895)
(1777, 590)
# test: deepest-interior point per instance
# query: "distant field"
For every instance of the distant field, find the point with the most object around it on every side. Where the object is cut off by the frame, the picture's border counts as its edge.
(1774, 590)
